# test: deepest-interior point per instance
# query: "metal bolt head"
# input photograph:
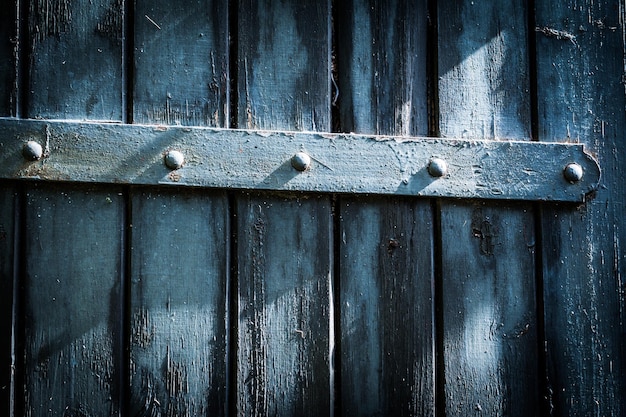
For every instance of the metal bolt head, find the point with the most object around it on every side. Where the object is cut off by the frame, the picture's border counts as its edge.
(573, 172)
(174, 159)
(437, 167)
(32, 151)
(301, 161)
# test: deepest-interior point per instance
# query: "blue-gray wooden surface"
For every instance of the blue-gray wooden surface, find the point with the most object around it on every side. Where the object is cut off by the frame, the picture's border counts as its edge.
(8, 199)
(580, 84)
(8, 78)
(284, 243)
(385, 295)
(180, 262)
(71, 291)
(178, 332)
(70, 309)
(488, 308)
(125, 300)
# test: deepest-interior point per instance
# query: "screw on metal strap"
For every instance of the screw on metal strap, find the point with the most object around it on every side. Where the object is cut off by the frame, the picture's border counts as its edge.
(437, 167)
(32, 151)
(573, 172)
(174, 159)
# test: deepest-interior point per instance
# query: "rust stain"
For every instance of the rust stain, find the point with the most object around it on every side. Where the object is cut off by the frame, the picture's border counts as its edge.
(174, 176)
(42, 171)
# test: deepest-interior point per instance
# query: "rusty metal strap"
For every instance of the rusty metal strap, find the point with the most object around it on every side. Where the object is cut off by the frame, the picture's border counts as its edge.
(335, 163)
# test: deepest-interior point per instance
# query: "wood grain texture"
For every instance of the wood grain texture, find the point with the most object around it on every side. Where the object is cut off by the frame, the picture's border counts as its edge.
(180, 238)
(8, 60)
(489, 317)
(381, 65)
(483, 56)
(386, 299)
(284, 275)
(386, 249)
(488, 263)
(72, 281)
(284, 65)
(581, 99)
(284, 244)
(178, 303)
(75, 59)
(7, 277)
(181, 62)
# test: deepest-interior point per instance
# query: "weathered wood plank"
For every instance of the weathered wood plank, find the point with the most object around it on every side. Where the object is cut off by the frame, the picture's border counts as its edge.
(381, 65)
(180, 238)
(483, 70)
(284, 65)
(284, 273)
(178, 303)
(386, 249)
(489, 317)
(181, 62)
(8, 61)
(386, 299)
(7, 279)
(72, 285)
(75, 60)
(488, 263)
(580, 70)
(284, 253)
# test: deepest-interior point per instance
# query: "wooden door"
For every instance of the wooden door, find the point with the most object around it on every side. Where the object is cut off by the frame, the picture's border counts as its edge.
(234, 285)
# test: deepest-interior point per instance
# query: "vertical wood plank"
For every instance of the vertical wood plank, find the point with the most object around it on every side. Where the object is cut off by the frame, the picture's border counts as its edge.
(489, 317)
(8, 62)
(284, 277)
(483, 70)
(7, 262)
(386, 249)
(284, 254)
(580, 76)
(381, 62)
(180, 239)
(386, 294)
(284, 65)
(178, 303)
(71, 302)
(75, 61)
(488, 262)
(72, 284)
(181, 62)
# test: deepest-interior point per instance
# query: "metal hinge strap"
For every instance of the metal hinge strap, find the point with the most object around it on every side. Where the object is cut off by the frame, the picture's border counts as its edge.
(317, 162)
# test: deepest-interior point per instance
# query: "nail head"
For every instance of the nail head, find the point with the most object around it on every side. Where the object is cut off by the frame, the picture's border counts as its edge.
(573, 172)
(437, 167)
(174, 159)
(301, 161)
(32, 151)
